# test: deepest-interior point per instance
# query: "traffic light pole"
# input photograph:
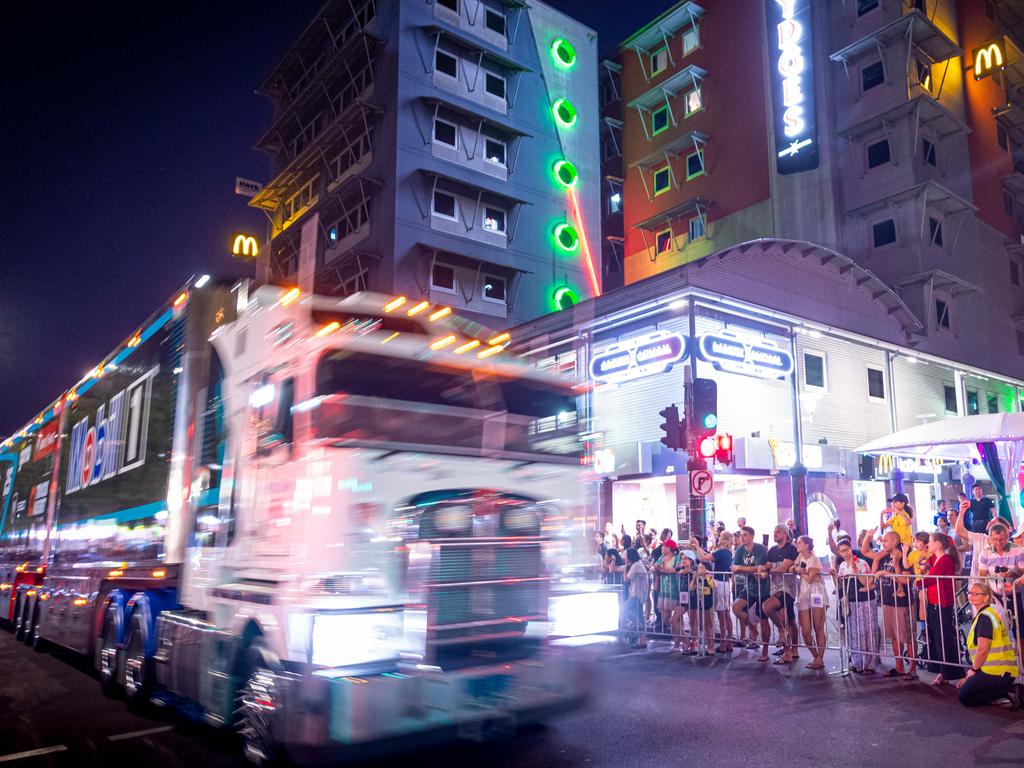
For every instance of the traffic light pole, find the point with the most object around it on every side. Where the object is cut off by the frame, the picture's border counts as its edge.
(696, 509)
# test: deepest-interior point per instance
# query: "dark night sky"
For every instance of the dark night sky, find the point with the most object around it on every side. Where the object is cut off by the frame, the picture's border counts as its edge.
(122, 135)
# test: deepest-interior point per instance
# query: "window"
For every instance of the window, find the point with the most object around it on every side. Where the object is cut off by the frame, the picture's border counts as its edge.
(696, 228)
(872, 75)
(445, 133)
(693, 102)
(814, 370)
(924, 74)
(451, 5)
(941, 314)
(608, 91)
(973, 406)
(614, 202)
(659, 120)
(494, 219)
(927, 151)
(691, 40)
(495, 85)
(878, 153)
(863, 6)
(494, 288)
(494, 151)
(444, 205)
(883, 233)
(663, 241)
(876, 384)
(332, 234)
(1014, 272)
(950, 396)
(935, 230)
(494, 21)
(1002, 138)
(659, 60)
(442, 277)
(1008, 206)
(446, 64)
(694, 165)
(992, 401)
(609, 148)
(662, 179)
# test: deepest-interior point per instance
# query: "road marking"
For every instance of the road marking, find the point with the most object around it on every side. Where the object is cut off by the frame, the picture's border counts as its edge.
(32, 753)
(139, 734)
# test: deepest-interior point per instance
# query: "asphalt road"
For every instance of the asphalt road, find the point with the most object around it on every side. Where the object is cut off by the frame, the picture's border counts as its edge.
(653, 708)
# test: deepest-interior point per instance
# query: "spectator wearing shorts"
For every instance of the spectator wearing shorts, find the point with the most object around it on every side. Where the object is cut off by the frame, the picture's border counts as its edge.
(813, 600)
(639, 581)
(752, 586)
(897, 603)
(668, 567)
(779, 607)
(701, 603)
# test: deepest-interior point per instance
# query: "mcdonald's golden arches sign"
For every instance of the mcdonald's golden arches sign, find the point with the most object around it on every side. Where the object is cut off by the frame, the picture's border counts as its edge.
(244, 245)
(989, 58)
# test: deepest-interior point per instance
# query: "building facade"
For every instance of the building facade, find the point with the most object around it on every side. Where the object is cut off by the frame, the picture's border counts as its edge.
(820, 206)
(445, 151)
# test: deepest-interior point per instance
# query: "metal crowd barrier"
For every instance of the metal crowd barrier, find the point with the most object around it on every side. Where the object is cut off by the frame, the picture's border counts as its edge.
(856, 624)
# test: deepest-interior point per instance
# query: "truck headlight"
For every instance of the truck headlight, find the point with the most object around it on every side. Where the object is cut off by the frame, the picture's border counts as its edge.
(584, 613)
(357, 639)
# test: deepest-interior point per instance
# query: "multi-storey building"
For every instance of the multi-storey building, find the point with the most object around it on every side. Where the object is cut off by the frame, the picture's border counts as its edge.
(445, 151)
(612, 240)
(820, 208)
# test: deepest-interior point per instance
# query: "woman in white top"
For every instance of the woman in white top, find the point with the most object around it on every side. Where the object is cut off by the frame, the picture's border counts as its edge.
(813, 600)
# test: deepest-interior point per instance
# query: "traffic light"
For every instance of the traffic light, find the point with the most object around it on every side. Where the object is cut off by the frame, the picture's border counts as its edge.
(671, 427)
(707, 448)
(724, 454)
(705, 408)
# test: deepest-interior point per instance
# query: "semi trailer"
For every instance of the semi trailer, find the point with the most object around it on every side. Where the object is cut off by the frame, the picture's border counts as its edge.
(327, 522)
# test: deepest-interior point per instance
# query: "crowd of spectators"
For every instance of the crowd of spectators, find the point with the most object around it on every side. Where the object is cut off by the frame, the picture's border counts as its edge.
(910, 589)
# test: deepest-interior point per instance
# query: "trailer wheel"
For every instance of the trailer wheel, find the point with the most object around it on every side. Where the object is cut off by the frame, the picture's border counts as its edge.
(108, 654)
(32, 623)
(137, 666)
(19, 607)
(256, 705)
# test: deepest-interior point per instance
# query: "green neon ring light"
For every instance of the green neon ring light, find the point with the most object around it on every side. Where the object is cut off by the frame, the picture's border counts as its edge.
(564, 113)
(566, 173)
(563, 53)
(565, 297)
(567, 237)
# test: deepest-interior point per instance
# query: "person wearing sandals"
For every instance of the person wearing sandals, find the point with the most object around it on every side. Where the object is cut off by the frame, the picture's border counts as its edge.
(720, 559)
(897, 601)
(701, 602)
(858, 598)
(668, 566)
(812, 600)
(779, 606)
(752, 586)
(943, 642)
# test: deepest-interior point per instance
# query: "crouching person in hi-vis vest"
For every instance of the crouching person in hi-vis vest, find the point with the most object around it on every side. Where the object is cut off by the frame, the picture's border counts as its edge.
(993, 664)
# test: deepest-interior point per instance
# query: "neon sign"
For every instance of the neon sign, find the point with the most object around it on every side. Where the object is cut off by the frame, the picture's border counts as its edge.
(789, 35)
(245, 246)
(988, 59)
(639, 356)
(728, 351)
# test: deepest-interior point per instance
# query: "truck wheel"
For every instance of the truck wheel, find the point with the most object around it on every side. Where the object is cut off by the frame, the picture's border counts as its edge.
(32, 624)
(108, 655)
(256, 704)
(19, 605)
(137, 667)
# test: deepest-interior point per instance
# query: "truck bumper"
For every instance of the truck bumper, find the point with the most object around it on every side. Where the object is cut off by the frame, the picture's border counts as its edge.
(382, 712)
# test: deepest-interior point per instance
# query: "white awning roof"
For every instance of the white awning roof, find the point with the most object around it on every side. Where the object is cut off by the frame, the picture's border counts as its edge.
(952, 439)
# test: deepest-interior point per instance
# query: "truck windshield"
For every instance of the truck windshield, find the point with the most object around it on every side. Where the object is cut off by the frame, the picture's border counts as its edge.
(376, 398)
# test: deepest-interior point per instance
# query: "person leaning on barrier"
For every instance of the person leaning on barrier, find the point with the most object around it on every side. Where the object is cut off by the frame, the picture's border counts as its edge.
(858, 597)
(669, 566)
(897, 602)
(720, 564)
(943, 641)
(751, 586)
(779, 607)
(993, 665)
(812, 601)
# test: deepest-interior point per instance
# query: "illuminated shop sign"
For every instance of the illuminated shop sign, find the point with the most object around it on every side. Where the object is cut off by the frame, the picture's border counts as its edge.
(244, 246)
(728, 351)
(651, 353)
(989, 58)
(887, 463)
(790, 51)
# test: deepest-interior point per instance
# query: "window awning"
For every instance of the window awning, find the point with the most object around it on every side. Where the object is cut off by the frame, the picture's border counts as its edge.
(466, 259)
(683, 15)
(942, 281)
(930, 192)
(478, 45)
(473, 113)
(913, 26)
(1014, 184)
(685, 79)
(927, 111)
(689, 141)
(659, 221)
(481, 184)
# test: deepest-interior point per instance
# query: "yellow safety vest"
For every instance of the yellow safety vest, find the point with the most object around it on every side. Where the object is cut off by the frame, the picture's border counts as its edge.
(1000, 659)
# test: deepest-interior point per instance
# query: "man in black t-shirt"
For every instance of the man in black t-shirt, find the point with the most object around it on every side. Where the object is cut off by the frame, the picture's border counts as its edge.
(981, 510)
(779, 607)
(751, 584)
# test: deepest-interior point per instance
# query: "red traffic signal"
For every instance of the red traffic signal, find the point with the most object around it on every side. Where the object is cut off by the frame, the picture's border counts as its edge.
(723, 452)
(708, 448)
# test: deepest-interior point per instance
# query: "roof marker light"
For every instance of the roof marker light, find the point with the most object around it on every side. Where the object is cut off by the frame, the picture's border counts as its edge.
(289, 297)
(331, 327)
(442, 312)
(159, 573)
(467, 346)
(444, 342)
(501, 338)
(394, 304)
(415, 309)
(182, 298)
(203, 280)
(489, 351)
(389, 338)
(115, 573)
